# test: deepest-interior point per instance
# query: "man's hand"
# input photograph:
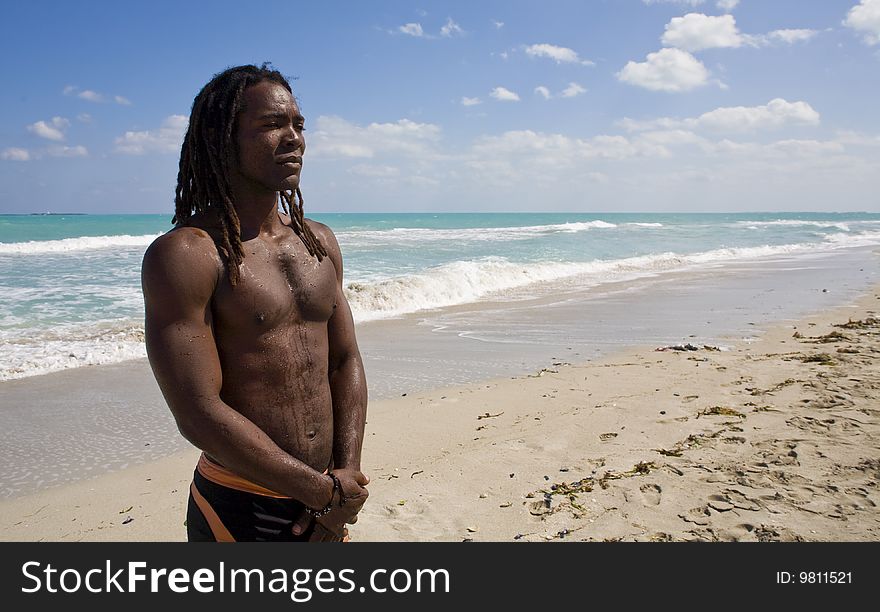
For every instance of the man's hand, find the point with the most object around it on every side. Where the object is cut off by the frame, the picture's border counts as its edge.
(331, 526)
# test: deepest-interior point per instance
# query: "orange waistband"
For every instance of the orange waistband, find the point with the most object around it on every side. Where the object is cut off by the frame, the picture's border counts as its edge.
(220, 475)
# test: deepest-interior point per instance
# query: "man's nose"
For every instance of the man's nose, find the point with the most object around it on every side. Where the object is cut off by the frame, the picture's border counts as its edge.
(294, 137)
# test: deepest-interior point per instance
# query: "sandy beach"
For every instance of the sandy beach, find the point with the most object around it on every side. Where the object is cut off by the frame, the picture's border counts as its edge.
(776, 438)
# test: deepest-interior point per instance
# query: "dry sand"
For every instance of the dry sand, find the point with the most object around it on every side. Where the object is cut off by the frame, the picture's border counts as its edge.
(775, 439)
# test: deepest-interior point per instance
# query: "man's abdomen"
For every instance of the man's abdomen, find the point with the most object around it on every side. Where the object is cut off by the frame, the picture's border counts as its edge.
(284, 389)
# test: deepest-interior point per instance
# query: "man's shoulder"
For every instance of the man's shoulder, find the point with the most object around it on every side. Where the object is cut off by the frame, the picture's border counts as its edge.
(192, 241)
(319, 228)
(184, 251)
(324, 234)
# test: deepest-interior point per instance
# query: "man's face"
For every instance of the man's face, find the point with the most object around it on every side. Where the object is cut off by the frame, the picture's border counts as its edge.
(270, 138)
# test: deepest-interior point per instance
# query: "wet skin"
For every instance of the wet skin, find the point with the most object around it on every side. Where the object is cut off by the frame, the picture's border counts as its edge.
(274, 347)
(265, 376)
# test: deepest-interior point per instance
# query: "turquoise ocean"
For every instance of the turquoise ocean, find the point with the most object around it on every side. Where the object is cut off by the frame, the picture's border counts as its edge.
(70, 284)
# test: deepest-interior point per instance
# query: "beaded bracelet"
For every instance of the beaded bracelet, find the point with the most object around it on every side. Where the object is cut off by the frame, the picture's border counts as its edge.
(338, 486)
(329, 506)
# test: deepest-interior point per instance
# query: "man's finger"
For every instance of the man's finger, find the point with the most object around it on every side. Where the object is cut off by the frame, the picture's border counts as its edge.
(319, 533)
(325, 534)
(301, 523)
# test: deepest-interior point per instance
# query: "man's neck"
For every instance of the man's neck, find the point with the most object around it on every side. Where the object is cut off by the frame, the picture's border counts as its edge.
(257, 212)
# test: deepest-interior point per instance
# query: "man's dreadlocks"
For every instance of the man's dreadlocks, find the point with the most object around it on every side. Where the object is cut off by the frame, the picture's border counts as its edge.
(208, 155)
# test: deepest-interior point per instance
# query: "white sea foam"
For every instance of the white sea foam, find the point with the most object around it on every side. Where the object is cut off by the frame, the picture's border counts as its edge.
(491, 234)
(462, 282)
(33, 352)
(84, 243)
(645, 224)
(796, 223)
(459, 282)
(853, 240)
(27, 352)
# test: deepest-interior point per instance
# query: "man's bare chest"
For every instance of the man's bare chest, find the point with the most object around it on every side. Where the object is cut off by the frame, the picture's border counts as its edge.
(280, 284)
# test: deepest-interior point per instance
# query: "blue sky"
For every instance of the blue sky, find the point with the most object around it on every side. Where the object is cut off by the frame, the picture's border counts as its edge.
(614, 105)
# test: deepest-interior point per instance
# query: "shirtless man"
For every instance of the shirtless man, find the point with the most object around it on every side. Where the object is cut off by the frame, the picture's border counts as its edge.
(248, 331)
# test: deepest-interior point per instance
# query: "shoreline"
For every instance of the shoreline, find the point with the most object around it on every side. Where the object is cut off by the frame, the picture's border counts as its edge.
(81, 422)
(777, 460)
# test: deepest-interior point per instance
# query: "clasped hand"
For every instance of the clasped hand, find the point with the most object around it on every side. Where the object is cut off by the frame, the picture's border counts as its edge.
(345, 505)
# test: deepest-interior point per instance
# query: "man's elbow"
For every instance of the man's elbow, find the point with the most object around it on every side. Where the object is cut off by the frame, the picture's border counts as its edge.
(191, 432)
(194, 427)
(344, 361)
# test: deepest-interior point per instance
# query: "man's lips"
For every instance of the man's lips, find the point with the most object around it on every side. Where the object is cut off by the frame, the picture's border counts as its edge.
(290, 159)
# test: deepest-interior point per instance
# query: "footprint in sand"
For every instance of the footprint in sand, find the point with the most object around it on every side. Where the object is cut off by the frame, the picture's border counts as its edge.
(650, 494)
(720, 503)
(743, 532)
(410, 520)
(697, 516)
(740, 500)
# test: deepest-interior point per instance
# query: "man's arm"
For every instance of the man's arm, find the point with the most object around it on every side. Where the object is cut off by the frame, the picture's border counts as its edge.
(179, 275)
(348, 384)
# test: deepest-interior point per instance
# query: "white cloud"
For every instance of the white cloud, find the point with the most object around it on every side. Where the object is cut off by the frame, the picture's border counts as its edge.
(856, 138)
(558, 54)
(65, 151)
(413, 29)
(687, 2)
(451, 29)
(521, 153)
(696, 31)
(448, 30)
(671, 70)
(167, 139)
(504, 95)
(498, 24)
(673, 138)
(91, 96)
(572, 90)
(804, 148)
(84, 118)
(335, 137)
(663, 123)
(754, 152)
(568, 167)
(727, 5)
(465, 101)
(53, 130)
(15, 154)
(374, 171)
(775, 114)
(790, 36)
(684, 158)
(865, 18)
